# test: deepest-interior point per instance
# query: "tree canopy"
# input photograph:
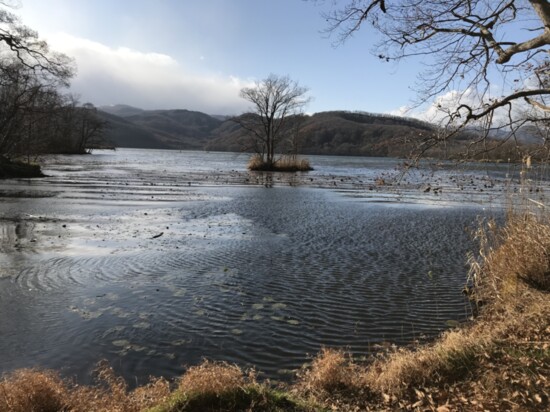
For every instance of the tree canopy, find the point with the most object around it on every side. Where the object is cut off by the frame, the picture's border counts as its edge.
(490, 56)
(275, 100)
(35, 115)
(21, 45)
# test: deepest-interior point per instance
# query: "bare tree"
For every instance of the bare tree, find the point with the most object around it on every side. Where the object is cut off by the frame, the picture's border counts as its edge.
(31, 77)
(91, 128)
(20, 43)
(470, 46)
(274, 100)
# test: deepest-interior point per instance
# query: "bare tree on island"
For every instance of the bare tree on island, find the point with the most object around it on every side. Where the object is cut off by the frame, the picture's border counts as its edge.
(276, 102)
(489, 58)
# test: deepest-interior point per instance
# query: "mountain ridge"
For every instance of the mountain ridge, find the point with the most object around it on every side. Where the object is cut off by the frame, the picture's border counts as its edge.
(336, 132)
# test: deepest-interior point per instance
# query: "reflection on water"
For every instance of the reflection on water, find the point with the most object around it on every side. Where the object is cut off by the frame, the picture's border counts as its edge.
(154, 267)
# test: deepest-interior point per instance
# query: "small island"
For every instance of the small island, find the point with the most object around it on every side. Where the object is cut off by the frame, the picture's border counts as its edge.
(17, 169)
(283, 164)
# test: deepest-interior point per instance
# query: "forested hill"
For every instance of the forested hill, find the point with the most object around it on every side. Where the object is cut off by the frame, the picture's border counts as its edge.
(335, 132)
(171, 129)
(365, 134)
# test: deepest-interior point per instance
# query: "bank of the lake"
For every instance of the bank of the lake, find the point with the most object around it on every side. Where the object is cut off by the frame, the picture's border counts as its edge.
(156, 259)
(500, 361)
(10, 169)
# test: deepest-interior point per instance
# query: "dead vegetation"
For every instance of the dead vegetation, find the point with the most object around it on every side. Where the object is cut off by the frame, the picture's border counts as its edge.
(210, 386)
(283, 164)
(501, 361)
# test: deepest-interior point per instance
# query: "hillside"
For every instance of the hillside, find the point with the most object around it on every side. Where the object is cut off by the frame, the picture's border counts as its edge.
(326, 133)
(363, 134)
(123, 133)
(121, 110)
(338, 133)
(170, 129)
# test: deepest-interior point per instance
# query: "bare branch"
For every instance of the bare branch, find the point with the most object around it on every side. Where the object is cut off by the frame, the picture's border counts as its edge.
(273, 100)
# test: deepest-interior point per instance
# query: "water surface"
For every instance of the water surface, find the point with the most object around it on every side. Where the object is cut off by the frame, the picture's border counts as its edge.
(156, 259)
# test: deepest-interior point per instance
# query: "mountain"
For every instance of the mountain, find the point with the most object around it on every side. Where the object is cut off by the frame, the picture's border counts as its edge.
(128, 126)
(361, 134)
(326, 133)
(123, 133)
(333, 133)
(121, 110)
(338, 133)
(178, 129)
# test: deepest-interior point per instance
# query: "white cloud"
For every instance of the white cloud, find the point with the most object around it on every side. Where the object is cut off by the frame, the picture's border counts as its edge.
(438, 111)
(148, 80)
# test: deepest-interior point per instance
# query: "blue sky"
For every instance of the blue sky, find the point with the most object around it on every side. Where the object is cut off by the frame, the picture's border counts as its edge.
(197, 55)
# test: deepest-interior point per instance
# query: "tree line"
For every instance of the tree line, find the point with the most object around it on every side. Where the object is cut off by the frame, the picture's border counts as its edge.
(37, 116)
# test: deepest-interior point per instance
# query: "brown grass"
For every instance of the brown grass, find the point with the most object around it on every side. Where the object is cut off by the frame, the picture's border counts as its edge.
(331, 370)
(515, 256)
(44, 391)
(284, 164)
(499, 362)
(111, 394)
(220, 386)
(30, 390)
(212, 378)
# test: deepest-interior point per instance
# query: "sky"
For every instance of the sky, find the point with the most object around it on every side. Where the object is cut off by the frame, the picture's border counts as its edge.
(197, 55)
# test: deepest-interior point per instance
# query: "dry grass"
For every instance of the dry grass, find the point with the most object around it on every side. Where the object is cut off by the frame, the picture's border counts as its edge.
(515, 256)
(44, 391)
(111, 394)
(33, 391)
(212, 378)
(499, 362)
(219, 386)
(284, 164)
(331, 370)
(209, 386)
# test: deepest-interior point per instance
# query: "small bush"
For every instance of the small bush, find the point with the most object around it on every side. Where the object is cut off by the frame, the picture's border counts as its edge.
(212, 378)
(284, 164)
(331, 370)
(514, 256)
(30, 390)
(111, 393)
(16, 169)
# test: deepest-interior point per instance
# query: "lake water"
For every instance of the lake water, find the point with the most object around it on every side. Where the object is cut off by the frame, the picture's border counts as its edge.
(155, 259)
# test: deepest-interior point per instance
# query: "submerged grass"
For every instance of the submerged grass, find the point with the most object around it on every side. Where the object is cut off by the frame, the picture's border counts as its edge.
(501, 361)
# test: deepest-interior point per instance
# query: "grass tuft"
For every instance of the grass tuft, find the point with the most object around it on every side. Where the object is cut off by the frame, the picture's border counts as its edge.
(219, 386)
(284, 164)
(31, 390)
(331, 370)
(213, 378)
(515, 257)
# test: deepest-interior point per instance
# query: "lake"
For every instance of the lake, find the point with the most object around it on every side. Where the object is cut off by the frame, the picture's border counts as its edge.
(157, 259)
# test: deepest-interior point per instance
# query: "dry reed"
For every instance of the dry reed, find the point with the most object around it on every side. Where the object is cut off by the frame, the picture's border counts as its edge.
(212, 378)
(283, 164)
(30, 390)
(514, 257)
(331, 370)
(465, 366)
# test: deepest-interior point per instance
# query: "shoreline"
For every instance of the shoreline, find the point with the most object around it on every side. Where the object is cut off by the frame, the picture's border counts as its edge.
(11, 169)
